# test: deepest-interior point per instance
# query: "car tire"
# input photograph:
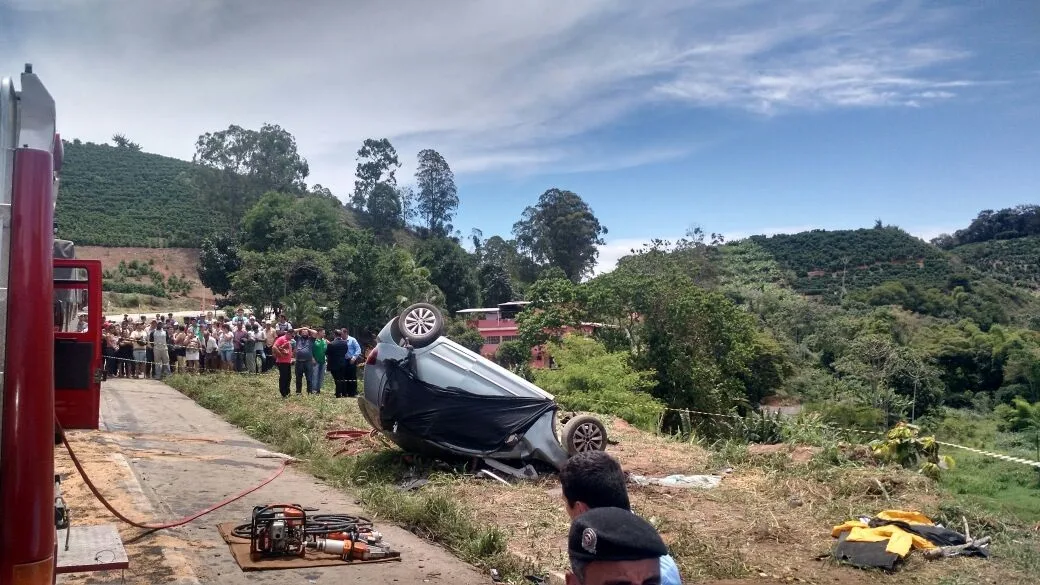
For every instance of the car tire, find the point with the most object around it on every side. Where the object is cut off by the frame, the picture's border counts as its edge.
(584, 433)
(421, 324)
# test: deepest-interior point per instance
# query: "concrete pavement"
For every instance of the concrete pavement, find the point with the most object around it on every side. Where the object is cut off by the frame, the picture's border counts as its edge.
(187, 458)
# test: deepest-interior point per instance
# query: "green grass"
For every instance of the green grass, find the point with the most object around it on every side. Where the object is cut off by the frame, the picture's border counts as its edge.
(1000, 496)
(297, 426)
(1009, 490)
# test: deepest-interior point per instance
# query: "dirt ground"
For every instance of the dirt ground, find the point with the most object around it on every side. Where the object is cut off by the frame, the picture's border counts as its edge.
(153, 556)
(768, 522)
(168, 261)
(160, 456)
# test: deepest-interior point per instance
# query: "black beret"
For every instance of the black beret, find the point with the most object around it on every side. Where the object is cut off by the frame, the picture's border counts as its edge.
(613, 534)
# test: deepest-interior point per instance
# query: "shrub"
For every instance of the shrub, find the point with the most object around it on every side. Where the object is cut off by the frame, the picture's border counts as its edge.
(904, 446)
(762, 427)
(512, 354)
(590, 378)
(850, 416)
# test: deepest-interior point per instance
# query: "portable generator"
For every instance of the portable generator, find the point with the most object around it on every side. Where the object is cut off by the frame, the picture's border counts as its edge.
(278, 530)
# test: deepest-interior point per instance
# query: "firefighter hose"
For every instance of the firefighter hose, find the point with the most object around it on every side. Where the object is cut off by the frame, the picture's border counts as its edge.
(320, 525)
(175, 523)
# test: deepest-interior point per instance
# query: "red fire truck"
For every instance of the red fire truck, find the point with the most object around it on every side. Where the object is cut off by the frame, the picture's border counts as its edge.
(45, 372)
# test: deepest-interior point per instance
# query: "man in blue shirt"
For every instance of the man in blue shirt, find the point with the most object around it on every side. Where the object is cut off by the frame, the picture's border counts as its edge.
(350, 371)
(594, 479)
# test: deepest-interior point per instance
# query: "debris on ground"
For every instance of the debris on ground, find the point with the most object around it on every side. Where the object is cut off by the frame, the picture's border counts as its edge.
(798, 454)
(353, 441)
(886, 539)
(491, 475)
(265, 454)
(412, 484)
(681, 481)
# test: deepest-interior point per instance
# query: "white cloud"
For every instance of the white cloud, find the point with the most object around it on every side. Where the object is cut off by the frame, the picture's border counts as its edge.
(494, 86)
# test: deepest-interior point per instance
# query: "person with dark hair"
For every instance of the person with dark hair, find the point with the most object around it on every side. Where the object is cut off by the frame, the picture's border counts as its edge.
(336, 358)
(613, 546)
(593, 480)
(321, 346)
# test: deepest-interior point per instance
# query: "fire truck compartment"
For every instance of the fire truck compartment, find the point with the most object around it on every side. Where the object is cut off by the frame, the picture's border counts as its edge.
(91, 548)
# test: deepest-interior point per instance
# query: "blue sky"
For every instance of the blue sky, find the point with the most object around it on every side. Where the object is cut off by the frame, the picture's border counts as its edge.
(740, 116)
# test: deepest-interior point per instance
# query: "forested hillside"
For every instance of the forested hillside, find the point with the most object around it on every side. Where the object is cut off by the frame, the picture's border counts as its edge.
(1014, 262)
(120, 196)
(823, 261)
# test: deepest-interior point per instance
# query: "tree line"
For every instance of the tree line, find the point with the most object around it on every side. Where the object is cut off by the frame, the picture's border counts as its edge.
(1006, 224)
(714, 327)
(285, 245)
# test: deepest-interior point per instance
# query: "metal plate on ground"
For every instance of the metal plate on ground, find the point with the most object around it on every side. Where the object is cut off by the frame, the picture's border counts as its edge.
(91, 548)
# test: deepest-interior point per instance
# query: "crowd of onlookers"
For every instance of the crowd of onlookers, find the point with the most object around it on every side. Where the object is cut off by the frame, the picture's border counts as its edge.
(155, 348)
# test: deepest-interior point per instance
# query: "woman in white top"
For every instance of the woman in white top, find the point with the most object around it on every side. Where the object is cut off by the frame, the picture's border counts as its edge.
(191, 354)
(212, 362)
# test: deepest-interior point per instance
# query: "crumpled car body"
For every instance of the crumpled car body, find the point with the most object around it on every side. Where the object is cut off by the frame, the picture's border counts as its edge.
(444, 400)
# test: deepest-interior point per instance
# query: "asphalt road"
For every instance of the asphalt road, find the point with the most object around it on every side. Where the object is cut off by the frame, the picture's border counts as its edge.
(186, 458)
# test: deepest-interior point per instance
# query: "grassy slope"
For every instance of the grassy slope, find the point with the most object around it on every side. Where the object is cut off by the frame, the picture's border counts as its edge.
(749, 525)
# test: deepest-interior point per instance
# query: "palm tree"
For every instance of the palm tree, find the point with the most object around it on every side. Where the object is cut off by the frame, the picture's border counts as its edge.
(1026, 417)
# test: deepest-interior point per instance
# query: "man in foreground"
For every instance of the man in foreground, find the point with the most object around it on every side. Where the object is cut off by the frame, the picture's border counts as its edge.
(592, 480)
(613, 546)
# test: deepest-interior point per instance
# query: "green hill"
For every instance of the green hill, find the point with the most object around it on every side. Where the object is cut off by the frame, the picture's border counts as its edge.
(887, 266)
(1014, 262)
(113, 196)
(821, 261)
(120, 197)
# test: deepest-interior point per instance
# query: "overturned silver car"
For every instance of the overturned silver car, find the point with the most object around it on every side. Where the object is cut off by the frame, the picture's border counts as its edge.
(432, 396)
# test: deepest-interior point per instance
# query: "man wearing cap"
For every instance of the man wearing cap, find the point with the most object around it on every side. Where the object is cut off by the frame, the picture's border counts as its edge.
(593, 480)
(612, 546)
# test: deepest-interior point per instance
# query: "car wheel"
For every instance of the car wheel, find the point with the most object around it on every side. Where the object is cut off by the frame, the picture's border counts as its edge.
(584, 433)
(421, 324)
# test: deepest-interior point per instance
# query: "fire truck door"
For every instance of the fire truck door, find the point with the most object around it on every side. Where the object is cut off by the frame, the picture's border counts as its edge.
(77, 343)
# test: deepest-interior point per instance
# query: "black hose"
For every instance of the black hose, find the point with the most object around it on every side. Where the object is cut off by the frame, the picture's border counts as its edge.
(318, 525)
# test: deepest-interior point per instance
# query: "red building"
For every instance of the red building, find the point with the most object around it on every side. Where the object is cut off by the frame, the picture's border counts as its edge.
(498, 325)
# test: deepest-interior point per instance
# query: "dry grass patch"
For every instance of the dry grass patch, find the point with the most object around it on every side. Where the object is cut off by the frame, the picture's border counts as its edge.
(772, 515)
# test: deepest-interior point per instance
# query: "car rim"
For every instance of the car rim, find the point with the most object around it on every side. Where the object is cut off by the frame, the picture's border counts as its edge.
(419, 322)
(587, 437)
